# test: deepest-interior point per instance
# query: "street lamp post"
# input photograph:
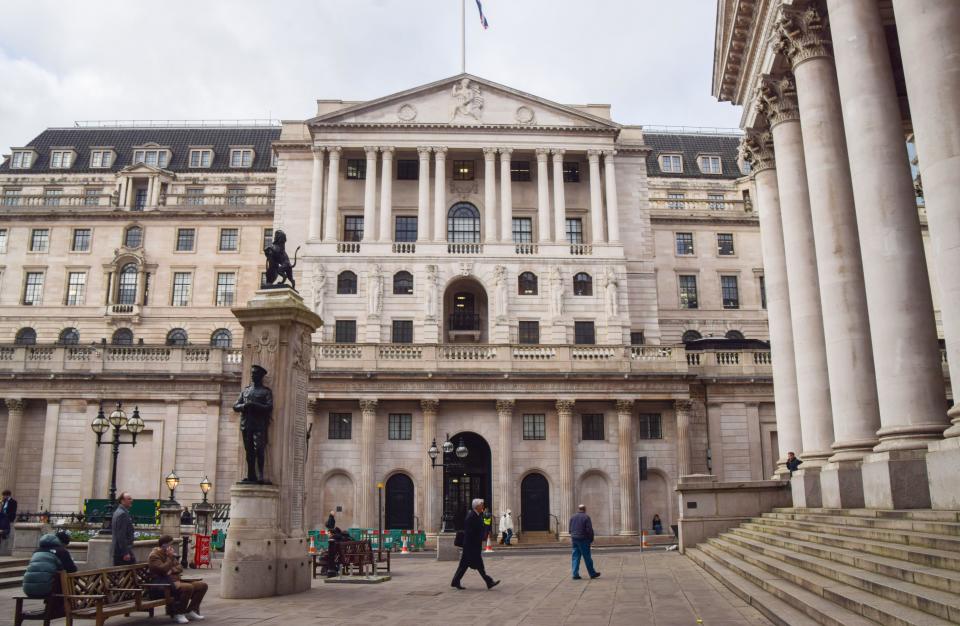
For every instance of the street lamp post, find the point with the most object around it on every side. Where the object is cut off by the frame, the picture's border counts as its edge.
(380, 521)
(119, 422)
(453, 458)
(203, 510)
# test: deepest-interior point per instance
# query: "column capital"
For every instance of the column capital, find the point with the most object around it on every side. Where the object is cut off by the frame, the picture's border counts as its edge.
(682, 405)
(318, 151)
(334, 150)
(14, 404)
(424, 151)
(756, 148)
(801, 35)
(505, 151)
(558, 153)
(565, 406)
(371, 151)
(387, 151)
(440, 152)
(542, 154)
(368, 404)
(608, 155)
(777, 99)
(313, 405)
(505, 406)
(593, 156)
(489, 153)
(429, 405)
(624, 406)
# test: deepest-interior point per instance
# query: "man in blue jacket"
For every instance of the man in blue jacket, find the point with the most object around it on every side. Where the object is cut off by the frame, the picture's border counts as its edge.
(581, 536)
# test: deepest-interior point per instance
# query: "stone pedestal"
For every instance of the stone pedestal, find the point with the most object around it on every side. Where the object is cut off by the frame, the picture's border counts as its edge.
(805, 487)
(841, 485)
(896, 480)
(99, 552)
(170, 518)
(943, 464)
(446, 551)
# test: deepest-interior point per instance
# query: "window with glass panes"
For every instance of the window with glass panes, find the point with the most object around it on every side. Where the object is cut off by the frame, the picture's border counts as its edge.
(76, 288)
(241, 158)
(236, 196)
(21, 160)
(674, 200)
(3, 240)
(463, 223)
(201, 158)
(715, 201)
(101, 158)
(340, 426)
(685, 244)
(229, 239)
(592, 426)
(463, 170)
(651, 426)
(181, 289)
(571, 172)
(582, 284)
(408, 169)
(127, 285)
(81, 240)
(403, 283)
(402, 331)
(534, 426)
(185, 239)
(399, 426)
(583, 333)
(221, 338)
(730, 292)
(226, 288)
(710, 165)
(267, 238)
(574, 230)
(671, 163)
(356, 169)
(528, 332)
(405, 228)
(91, 197)
(725, 244)
(346, 283)
(520, 171)
(151, 157)
(345, 331)
(11, 197)
(688, 292)
(527, 284)
(763, 293)
(194, 196)
(133, 238)
(140, 199)
(522, 230)
(33, 288)
(60, 159)
(353, 228)
(636, 338)
(39, 240)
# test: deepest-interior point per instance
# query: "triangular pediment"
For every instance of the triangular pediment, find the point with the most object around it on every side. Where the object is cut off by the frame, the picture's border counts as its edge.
(144, 169)
(464, 100)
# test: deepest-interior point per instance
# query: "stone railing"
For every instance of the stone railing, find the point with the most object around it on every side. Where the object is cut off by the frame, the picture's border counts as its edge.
(581, 249)
(96, 359)
(701, 207)
(527, 248)
(730, 362)
(60, 200)
(464, 248)
(404, 247)
(348, 247)
(216, 199)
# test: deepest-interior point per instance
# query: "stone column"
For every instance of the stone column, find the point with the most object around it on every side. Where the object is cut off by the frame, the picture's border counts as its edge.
(613, 216)
(428, 407)
(504, 499)
(506, 197)
(596, 198)
(565, 431)
(682, 410)
(11, 444)
(386, 194)
(316, 194)
(51, 431)
(440, 195)
(543, 196)
(370, 195)
(490, 195)
(333, 195)
(559, 201)
(627, 464)
(423, 197)
(368, 461)
(757, 150)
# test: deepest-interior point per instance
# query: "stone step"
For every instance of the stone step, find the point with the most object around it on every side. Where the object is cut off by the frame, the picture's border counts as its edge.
(858, 601)
(942, 604)
(922, 540)
(11, 582)
(950, 529)
(929, 515)
(813, 606)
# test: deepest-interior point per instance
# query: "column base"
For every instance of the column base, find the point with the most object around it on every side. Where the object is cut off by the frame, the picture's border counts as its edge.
(805, 488)
(943, 461)
(629, 533)
(954, 415)
(446, 551)
(896, 479)
(841, 485)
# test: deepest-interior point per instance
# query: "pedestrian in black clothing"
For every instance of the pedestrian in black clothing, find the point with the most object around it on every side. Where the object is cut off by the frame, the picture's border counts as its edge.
(793, 463)
(471, 556)
(8, 515)
(331, 522)
(121, 528)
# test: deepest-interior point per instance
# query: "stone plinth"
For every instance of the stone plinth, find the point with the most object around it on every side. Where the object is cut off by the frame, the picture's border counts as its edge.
(446, 551)
(170, 518)
(896, 480)
(805, 486)
(26, 536)
(841, 485)
(943, 464)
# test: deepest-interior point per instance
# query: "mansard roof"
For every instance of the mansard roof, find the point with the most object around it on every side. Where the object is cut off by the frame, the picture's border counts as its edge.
(690, 146)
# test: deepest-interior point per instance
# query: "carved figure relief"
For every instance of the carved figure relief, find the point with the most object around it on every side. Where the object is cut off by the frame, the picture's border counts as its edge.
(467, 101)
(431, 292)
(407, 113)
(319, 284)
(375, 291)
(556, 292)
(265, 347)
(610, 292)
(500, 282)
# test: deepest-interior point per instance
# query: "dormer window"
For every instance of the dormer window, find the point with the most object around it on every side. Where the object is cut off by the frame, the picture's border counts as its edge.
(61, 159)
(21, 159)
(201, 157)
(101, 158)
(671, 163)
(241, 157)
(710, 165)
(156, 158)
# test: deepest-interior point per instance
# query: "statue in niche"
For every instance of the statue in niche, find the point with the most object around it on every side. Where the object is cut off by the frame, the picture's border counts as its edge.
(610, 292)
(319, 282)
(255, 407)
(556, 291)
(467, 100)
(278, 263)
(431, 292)
(375, 289)
(500, 280)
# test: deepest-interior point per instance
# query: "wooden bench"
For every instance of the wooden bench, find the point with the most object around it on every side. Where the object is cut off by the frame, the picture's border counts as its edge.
(103, 593)
(357, 556)
(45, 614)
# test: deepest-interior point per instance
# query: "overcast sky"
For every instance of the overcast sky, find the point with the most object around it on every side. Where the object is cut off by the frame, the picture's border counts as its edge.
(62, 61)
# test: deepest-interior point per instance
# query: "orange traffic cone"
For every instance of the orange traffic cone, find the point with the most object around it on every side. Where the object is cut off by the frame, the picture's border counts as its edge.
(489, 548)
(643, 537)
(312, 549)
(404, 549)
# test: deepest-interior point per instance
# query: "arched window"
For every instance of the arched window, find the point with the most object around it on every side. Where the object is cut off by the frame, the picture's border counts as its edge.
(69, 337)
(346, 283)
(26, 337)
(127, 285)
(735, 334)
(691, 335)
(221, 338)
(177, 337)
(463, 223)
(133, 237)
(582, 284)
(122, 337)
(527, 284)
(403, 283)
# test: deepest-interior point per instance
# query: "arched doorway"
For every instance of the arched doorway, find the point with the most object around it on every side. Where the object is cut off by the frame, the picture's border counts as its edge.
(468, 478)
(465, 312)
(535, 503)
(399, 505)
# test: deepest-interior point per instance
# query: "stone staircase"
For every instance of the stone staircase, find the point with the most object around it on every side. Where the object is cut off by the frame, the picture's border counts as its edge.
(840, 567)
(11, 572)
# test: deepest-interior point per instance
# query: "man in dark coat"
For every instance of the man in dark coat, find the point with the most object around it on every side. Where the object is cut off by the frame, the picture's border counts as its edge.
(471, 556)
(581, 536)
(121, 528)
(8, 515)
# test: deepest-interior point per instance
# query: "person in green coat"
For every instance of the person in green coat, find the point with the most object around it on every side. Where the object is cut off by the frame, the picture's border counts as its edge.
(42, 577)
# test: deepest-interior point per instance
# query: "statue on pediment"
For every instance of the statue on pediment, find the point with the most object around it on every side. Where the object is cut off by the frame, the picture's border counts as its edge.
(467, 101)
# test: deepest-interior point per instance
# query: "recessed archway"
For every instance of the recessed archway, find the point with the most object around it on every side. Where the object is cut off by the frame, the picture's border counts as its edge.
(465, 316)
(398, 509)
(594, 493)
(534, 503)
(467, 478)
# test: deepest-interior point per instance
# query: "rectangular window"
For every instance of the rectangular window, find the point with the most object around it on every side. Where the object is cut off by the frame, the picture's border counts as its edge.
(61, 159)
(356, 169)
(241, 158)
(710, 165)
(11, 197)
(408, 169)
(3, 240)
(402, 331)
(730, 292)
(353, 228)
(405, 228)
(51, 197)
(400, 426)
(33, 288)
(91, 197)
(671, 163)
(101, 158)
(763, 293)
(684, 244)
(651, 426)
(636, 338)
(267, 237)
(194, 196)
(140, 200)
(226, 288)
(674, 200)
(156, 158)
(185, 239)
(201, 158)
(81, 240)
(520, 171)
(346, 331)
(522, 230)
(181, 289)
(688, 292)
(583, 333)
(40, 240)
(592, 426)
(534, 427)
(76, 286)
(229, 239)
(574, 230)
(236, 196)
(528, 332)
(715, 201)
(340, 426)
(21, 160)
(571, 172)
(463, 170)
(725, 244)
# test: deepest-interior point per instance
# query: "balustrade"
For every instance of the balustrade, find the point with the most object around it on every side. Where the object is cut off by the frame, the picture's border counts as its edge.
(581, 249)
(464, 248)
(348, 247)
(404, 248)
(527, 248)
(398, 352)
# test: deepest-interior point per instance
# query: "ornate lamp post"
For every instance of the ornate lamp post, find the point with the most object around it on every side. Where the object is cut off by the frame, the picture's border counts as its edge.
(119, 422)
(172, 481)
(453, 458)
(203, 510)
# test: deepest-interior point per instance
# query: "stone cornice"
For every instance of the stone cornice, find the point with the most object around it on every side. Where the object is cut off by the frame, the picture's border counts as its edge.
(465, 127)
(731, 46)
(145, 216)
(756, 148)
(802, 34)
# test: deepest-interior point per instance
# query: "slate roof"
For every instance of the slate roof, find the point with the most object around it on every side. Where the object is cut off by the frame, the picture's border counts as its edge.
(179, 140)
(690, 146)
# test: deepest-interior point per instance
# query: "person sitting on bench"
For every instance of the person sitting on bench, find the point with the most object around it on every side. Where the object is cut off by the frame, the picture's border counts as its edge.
(166, 569)
(42, 577)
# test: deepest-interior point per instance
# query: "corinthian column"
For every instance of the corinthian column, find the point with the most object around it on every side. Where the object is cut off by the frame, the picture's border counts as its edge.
(628, 481)
(613, 215)
(682, 410)
(565, 417)
(506, 196)
(429, 408)
(543, 196)
(316, 194)
(386, 194)
(440, 195)
(11, 444)
(504, 497)
(596, 198)
(370, 195)
(490, 194)
(423, 197)
(368, 460)
(559, 200)
(333, 194)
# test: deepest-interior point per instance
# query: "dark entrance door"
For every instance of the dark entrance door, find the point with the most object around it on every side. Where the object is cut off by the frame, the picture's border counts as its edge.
(466, 479)
(399, 504)
(535, 503)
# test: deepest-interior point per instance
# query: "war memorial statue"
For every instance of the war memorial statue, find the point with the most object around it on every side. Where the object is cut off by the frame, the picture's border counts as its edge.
(255, 407)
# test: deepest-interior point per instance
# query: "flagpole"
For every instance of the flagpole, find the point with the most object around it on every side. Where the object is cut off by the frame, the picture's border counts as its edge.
(463, 36)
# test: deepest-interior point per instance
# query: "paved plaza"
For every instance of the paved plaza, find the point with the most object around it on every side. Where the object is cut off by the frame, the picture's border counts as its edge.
(656, 588)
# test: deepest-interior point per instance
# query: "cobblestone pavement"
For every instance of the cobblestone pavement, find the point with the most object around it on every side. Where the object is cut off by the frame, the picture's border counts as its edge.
(659, 589)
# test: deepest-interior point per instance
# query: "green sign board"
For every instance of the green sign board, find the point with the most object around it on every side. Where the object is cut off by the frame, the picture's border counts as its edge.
(142, 511)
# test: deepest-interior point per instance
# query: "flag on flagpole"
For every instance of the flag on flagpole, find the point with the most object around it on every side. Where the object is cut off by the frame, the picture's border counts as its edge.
(483, 19)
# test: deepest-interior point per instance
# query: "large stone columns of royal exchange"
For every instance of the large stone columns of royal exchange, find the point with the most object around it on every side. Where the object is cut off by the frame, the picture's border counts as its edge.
(316, 195)
(627, 465)
(11, 444)
(803, 39)
(368, 461)
(613, 207)
(565, 430)
(757, 150)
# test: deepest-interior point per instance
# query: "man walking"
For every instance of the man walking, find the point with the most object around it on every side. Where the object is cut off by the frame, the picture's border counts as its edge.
(473, 533)
(121, 527)
(8, 517)
(581, 536)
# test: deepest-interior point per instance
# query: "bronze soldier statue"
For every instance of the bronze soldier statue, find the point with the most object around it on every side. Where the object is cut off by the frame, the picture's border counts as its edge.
(255, 407)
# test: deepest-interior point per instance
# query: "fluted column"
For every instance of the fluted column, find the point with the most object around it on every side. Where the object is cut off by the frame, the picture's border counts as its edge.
(627, 461)
(929, 36)
(559, 200)
(681, 409)
(429, 408)
(11, 444)
(596, 198)
(316, 194)
(543, 196)
(440, 194)
(506, 196)
(368, 460)
(757, 150)
(504, 499)
(565, 419)
(613, 215)
(490, 195)
(386, 194)
(370, 195)
(423, 197)
(333, 194)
